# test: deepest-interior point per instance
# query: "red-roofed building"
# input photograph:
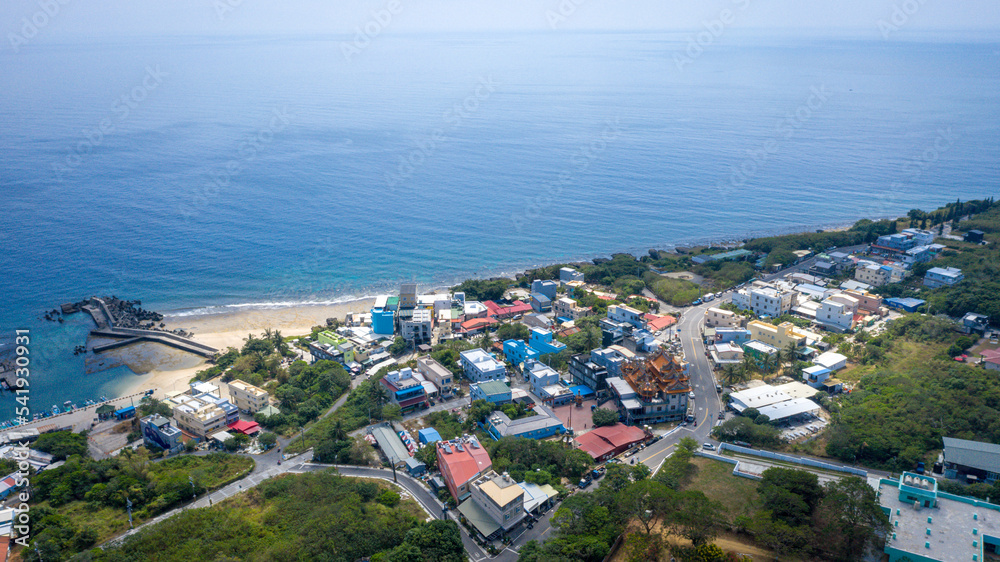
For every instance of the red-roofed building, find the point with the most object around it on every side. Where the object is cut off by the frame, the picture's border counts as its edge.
(656, 323)
(245, 427)
(991, 359)
(606, 442)
(605, 298)
(477, 325)
(501, 312)
(461, 461)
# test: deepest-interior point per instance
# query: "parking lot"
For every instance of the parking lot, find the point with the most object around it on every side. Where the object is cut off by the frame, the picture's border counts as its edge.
(807, 426)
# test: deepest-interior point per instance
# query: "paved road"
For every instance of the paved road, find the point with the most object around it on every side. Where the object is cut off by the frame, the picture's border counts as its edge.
(418, 491)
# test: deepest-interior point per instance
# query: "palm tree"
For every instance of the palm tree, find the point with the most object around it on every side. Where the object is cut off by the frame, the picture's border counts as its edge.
(792, 352)
(769, 363)
(731, 374)
(749, 366)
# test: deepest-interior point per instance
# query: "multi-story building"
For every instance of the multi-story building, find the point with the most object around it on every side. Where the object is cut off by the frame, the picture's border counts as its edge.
(873, 274)
(539, 376)
(438, 374)
(568, 308)
(719, 318)
(545, 287)
(917, 254)
(540, 303)
(569, 274)
(405, 390)
(418, 327)
(499, 498)
(588, 373)
(384, 315)
(780, 336)
(771, 301)
(201, 415)
(612, 358)
(408, 295)
(247, 397)
(836, 315)
(627, 315)
(867, 302)
(942, 277)
(480, 366)
(653, 390)
(461, 461)
(894, 243)
(920, 237)
(156, 430)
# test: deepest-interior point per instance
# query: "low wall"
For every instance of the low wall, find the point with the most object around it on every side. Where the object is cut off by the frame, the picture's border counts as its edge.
(794, 460)
(734, 462)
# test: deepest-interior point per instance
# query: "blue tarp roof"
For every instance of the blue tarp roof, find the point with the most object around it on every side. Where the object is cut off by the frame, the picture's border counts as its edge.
(428, 435)
(581, 390)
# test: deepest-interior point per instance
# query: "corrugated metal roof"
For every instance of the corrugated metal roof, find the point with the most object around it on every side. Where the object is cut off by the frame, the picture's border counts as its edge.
(975, 454)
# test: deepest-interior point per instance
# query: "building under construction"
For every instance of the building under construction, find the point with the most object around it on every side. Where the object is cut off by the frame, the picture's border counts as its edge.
(652, 390)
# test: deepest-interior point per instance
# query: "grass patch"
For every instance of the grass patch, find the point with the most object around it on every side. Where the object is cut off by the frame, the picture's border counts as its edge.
(715, 479)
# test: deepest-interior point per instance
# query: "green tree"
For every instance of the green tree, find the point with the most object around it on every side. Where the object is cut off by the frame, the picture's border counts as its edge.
(791, 495)
(850, 520)
(267, 439)
(62, 444)
(392, 412)
(398, 346)
(438, 541)
(604, 416)
(512, 331)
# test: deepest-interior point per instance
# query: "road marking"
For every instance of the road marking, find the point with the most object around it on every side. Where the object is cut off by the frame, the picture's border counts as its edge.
(643, 461)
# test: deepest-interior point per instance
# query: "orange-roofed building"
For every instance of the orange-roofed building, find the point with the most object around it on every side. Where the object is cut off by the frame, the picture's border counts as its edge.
(461, 461)
(656, 323)
(605, 442)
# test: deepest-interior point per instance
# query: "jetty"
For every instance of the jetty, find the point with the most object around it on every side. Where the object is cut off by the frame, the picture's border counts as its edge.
(107, 328)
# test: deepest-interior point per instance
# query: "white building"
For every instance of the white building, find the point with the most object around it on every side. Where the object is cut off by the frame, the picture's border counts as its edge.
(719, 318)
(767, 300)
(873, 274)
(626, 314)
(831, 360)
(436, 373)
(247, 397)
(417, 329)
(836, 315)
(197, 416)
(480, 366)
(569, 274)
(568, 308)
(942, 277)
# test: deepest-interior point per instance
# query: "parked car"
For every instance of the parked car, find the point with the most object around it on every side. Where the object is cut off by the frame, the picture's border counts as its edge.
(691, 395)
(921, 468)
(708, 446)
(742, 444)
(584, 483)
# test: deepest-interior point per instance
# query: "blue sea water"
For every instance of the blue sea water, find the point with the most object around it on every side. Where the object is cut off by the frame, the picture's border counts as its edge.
(200, 171)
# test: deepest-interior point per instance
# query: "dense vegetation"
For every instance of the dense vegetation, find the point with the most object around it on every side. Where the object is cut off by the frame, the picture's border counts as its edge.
(519, 456)
(313, 516)
(84, 500)
(779, 248)
(62, 444)
(905, 403)
(305, 392)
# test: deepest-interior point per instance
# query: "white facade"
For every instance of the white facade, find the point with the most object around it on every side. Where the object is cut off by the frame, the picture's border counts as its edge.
(566, 307)
(568, 274)
(874, 275)
(247, 397)
(719, 318)
(771, 301)
(942, 276)
(835, 315)
(418, 328)
(626, 314)
(480, 366)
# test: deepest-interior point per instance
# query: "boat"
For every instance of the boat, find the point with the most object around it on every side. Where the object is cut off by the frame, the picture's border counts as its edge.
(55, 410)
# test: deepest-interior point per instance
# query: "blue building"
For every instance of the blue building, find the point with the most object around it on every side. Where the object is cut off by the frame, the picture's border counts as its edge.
(480, 366)
(547, 288)
(543, 424)
(492, 391)
(428, 435)
(405, 390)
(383, 321)
(543, 341)
(156, 430)
(518, 351)
(737, 336)
(905, 304)
(541, 303)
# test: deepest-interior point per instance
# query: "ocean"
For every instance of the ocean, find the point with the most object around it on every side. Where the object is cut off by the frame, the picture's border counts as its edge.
(195, 172)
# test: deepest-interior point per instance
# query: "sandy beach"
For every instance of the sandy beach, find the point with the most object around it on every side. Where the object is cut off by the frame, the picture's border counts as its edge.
(165, 369)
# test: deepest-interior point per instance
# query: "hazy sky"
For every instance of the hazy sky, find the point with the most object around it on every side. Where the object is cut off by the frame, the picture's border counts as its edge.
(168, 17)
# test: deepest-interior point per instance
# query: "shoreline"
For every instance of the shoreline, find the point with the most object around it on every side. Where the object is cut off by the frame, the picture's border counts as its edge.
(227, 325)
